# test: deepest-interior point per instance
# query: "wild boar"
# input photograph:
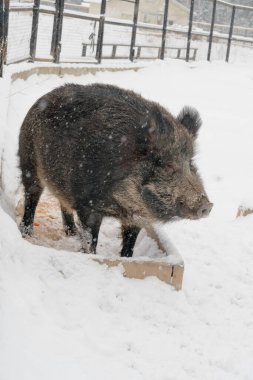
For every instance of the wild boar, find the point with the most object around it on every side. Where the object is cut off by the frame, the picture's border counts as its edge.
(106, 151)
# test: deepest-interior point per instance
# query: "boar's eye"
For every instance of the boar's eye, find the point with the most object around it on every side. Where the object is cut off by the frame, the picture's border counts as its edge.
(158, 161)
(190, 119)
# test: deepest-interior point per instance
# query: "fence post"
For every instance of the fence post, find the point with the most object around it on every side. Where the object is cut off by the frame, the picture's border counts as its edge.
(138, 52)
(135, 20)
(165, 22)
(230, 32)
(57, 30)
(1, 37)
(101, 31)
(53, 33)
(189, 32)
(34, 33)
(114, 49)
(6, 28)
(211, 30)
(84, 50)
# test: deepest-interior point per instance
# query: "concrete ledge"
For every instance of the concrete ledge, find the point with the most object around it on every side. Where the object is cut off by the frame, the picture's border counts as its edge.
(68, 70)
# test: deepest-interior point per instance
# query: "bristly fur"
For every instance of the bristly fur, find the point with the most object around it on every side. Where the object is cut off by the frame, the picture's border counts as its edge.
(106, 151)
(190, 118)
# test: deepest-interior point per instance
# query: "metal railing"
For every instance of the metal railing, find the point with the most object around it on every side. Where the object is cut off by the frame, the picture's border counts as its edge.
(138, 49)
(60, 13)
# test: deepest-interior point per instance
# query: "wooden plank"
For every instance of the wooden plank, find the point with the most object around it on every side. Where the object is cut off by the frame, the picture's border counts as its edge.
(140, 269)
(244, 211)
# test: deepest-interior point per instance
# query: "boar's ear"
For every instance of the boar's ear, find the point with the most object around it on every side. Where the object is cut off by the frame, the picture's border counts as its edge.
(153, 134)
(190, 119)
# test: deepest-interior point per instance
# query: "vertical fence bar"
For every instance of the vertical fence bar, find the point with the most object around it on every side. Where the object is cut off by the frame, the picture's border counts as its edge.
(54, 32)
(59, 31)
(101, 28)
(230, 32)
(6, 28)
(55, 26)
(59, 9)
(165, 22)
(134, 29)
(189, 37)
(114, 49)
(211, 30)
(1, 37)
(34, 33)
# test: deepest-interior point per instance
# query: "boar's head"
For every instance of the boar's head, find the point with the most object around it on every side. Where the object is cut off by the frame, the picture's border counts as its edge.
(171, 186)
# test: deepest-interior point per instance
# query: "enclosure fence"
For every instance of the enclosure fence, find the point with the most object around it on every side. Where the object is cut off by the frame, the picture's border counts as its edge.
(66, 32)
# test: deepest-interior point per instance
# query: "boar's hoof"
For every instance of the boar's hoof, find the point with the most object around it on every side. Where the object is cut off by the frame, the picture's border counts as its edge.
(87, 250)
(70, 231)
(88, 247)
(25, 230)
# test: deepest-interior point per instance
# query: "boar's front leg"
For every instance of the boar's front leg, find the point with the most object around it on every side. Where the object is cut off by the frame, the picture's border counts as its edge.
(68, 222)
(129, 236)
(90, 224)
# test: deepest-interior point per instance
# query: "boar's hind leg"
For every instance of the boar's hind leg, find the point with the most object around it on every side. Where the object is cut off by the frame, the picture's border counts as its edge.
(90, 225)
(33, 190)
(68, 222)
(129, 236)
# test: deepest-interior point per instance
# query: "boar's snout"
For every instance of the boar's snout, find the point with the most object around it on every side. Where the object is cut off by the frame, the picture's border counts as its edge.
(192, 208)
(204, 209)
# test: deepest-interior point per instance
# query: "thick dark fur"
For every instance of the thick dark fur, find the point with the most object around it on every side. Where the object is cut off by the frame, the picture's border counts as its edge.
(105, 151)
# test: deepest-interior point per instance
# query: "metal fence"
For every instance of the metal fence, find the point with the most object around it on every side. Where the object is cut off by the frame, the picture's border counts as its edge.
(63, 32)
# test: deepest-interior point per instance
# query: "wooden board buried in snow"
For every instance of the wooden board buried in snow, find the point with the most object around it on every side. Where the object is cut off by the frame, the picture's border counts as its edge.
(244, 211)
(48, 231)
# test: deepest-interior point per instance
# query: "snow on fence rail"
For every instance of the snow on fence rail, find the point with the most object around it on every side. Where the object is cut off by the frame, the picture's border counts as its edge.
(62, 32)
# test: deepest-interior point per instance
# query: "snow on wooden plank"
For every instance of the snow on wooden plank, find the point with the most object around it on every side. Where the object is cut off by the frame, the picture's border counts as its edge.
(140, 269)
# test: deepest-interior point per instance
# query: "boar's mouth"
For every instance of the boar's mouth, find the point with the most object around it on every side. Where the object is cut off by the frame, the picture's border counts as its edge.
(156, 205)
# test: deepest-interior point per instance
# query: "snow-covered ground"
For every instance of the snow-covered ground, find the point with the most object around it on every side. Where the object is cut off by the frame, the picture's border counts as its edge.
(63, 316)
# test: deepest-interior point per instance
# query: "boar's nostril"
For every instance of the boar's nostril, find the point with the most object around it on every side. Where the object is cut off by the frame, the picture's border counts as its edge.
(204, 210)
